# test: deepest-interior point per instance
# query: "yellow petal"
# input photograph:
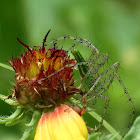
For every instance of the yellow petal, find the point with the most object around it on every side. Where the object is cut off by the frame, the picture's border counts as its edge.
(62, 124)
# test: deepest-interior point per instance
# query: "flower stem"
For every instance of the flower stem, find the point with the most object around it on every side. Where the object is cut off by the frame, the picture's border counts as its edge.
(105, 124)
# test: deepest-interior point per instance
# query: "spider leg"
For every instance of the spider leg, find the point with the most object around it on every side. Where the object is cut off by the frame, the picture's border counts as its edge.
(98, 93)
(94, 84)
(87, 44)
(109, 79)
(128, 96)
(90, 62)
(101, 89)
(105, 108)
(90, 90)
(94, 71)
(96, 80)
(52, 42)
(89, 104)
(114, 66)
(95, 50)
(57, 71)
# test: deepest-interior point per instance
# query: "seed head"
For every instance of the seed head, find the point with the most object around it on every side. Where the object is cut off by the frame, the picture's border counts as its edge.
(33, 84)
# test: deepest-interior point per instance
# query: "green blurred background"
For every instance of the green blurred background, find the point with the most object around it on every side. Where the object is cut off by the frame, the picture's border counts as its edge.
(113, 26)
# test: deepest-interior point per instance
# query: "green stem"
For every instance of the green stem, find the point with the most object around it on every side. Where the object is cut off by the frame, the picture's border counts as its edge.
(6, 66)
(105, 124)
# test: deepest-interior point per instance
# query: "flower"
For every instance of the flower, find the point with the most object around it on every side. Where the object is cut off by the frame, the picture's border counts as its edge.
(34, 85)
(44, 81)
(62, 124)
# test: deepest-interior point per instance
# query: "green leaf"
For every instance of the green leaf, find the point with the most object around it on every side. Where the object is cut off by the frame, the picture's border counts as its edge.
(8, 101)
(13, 116)
(6, 66)
(31, 125)
(134, 133)
(16, 120)
(36, 116)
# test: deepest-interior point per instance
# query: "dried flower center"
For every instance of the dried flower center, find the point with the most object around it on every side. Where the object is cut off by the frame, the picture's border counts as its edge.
(32, 82)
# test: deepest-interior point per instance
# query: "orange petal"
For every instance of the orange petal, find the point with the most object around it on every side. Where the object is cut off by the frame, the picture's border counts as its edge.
(62, 124)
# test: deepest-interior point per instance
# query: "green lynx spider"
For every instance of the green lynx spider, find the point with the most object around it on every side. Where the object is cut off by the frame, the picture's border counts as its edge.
(90, 76)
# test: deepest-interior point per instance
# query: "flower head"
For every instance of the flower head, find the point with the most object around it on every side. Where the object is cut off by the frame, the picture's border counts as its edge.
(62, 124)
(33, 81)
